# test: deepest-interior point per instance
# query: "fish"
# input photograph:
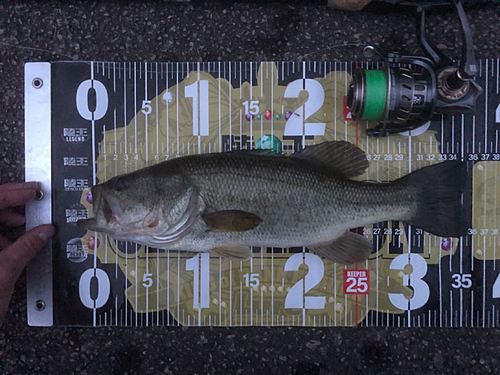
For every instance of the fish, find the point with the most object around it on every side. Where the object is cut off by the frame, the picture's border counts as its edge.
(226, 203)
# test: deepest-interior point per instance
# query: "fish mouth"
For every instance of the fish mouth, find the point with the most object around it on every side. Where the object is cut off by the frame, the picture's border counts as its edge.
(92, 223)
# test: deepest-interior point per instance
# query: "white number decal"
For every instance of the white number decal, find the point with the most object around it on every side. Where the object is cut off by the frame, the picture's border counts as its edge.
(295, 124)
(147, 280)
(253, 109)
(201, 287)
(462, 280)
(199, 92)
(295, 297)
(101, 100)
(251, 280)
(357, 285)
(473, 157)
(146, 107)
(103, 288)
(420, 288)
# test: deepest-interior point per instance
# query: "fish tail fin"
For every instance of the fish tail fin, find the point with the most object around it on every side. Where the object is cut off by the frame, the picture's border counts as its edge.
(440, 206)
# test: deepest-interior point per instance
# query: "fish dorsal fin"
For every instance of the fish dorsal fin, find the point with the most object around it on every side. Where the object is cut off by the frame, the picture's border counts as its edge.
(256, 152)
(340, 157)
(231, 221)
(232, 252)
(350, 248)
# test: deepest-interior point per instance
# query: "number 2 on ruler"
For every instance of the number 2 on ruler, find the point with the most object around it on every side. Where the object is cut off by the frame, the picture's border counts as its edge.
(295, 297)
(295, 125)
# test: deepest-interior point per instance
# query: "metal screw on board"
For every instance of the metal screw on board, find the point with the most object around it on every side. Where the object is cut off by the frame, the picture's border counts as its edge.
(39, 195)
(37, 83)
(40, 305)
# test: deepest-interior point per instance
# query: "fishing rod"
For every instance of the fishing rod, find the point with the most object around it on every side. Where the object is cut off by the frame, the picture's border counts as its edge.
(411, 90)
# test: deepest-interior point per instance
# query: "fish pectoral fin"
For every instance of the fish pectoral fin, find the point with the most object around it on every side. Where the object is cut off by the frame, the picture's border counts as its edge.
(350, 248)
(232, 252)
(231, 221)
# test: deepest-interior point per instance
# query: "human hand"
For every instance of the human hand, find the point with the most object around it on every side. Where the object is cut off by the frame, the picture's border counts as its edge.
(15, 256)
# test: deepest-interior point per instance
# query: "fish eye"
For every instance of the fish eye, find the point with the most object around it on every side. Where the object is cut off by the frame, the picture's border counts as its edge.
(121, 184)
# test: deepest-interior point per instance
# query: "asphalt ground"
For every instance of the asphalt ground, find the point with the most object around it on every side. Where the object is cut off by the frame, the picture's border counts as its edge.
(212, 31)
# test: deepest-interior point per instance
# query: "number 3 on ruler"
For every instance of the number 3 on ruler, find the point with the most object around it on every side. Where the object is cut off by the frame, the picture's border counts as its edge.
(420, 288)
(295, 297)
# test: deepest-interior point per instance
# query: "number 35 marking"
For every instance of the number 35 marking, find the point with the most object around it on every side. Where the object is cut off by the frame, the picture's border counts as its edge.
(462, 280)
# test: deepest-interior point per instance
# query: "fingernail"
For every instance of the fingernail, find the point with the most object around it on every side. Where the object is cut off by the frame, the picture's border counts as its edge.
(46, 232)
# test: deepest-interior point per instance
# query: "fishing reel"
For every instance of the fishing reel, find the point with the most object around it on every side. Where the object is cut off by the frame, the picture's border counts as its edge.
(410, 90)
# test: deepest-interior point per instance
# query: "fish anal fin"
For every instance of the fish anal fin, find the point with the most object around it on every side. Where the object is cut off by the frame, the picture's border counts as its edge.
(231, 221)
(232, 252)
(350, 248)
(341, 157)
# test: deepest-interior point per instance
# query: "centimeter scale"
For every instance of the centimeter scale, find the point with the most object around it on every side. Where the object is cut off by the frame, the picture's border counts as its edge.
(89, 121)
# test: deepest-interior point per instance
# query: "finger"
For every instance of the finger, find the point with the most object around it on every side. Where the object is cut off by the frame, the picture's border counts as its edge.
(4, 242)
(11, 218)
(33, 185)
(10, 197)
(14, 258)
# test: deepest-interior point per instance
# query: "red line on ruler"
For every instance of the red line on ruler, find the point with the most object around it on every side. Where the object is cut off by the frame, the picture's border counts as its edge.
(356, 265)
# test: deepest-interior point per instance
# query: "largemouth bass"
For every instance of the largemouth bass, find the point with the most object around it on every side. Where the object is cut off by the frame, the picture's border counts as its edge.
(225, 203)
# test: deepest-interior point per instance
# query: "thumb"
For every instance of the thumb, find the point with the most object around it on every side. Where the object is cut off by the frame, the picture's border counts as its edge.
(15, 257)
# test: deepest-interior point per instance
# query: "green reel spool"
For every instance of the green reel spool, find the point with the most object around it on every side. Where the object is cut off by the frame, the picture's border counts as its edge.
(376, 94)
(367, 94)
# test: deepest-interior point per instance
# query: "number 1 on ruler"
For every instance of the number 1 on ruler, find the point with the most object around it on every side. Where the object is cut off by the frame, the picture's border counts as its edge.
(201, 287)
(199, 92)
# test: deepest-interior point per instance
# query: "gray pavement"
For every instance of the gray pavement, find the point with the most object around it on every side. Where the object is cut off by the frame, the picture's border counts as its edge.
(161, 31)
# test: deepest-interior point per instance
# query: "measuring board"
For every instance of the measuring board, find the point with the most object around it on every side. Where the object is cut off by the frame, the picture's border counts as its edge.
(89, 121)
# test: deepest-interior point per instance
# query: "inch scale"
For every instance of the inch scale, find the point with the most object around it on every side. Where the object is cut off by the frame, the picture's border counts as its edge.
(87, 122)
